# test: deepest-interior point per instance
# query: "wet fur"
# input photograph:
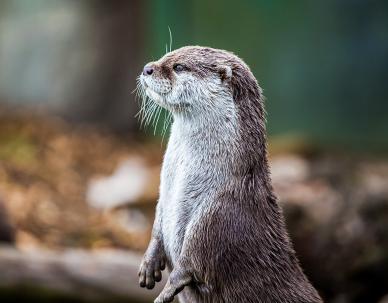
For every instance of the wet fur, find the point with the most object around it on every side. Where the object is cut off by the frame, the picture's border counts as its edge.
(218, 225)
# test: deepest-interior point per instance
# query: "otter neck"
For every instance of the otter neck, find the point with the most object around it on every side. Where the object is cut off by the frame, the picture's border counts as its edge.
(217, 122)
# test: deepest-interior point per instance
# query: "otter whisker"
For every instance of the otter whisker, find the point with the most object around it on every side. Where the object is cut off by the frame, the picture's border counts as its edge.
(147, 107)
(145, 110)
(156, 118)
(148, 114)
(169, 30)
(165, 125)
(141, 99)
(151, 114)
(143, 113)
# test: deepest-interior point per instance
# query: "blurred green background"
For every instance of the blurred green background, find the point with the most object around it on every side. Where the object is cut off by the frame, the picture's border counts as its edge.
(79, 178)
(323, 64)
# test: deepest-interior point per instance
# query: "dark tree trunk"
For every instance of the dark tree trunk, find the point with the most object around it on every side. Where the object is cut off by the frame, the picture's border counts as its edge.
(115, 38)
(7, 232)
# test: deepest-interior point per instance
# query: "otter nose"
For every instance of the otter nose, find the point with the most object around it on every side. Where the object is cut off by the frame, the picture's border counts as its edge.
(148, 70)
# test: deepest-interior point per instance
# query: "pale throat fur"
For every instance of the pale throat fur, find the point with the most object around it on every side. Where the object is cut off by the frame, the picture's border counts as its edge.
(203, 144)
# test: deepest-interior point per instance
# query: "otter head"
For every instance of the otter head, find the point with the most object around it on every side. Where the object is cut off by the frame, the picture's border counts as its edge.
(191, 79)
(201, 82)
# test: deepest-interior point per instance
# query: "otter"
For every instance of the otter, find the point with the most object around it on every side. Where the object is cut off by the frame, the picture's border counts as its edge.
(218, 227)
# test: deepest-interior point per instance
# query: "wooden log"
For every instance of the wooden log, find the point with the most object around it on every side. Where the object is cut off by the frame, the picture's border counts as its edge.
(88, 275)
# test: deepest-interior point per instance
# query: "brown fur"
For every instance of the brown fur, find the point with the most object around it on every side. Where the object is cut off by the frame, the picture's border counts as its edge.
(240, 252)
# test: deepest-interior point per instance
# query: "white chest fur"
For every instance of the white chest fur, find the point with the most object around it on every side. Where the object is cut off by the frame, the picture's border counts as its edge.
(194, 166)
(171, 193)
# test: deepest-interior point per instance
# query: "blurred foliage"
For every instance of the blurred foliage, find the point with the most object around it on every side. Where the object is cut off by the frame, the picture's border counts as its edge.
(17, 149)
(45, 168)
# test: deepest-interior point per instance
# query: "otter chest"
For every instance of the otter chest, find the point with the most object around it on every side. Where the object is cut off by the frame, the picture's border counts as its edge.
(180, 195)
(175, 210)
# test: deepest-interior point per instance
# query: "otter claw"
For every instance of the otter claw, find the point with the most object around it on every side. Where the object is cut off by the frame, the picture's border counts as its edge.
(150, 272)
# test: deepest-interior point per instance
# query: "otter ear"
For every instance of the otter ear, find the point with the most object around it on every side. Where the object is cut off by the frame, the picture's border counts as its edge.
(225, 72)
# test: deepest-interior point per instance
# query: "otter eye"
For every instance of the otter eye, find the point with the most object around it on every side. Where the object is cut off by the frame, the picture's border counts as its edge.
(178, 68)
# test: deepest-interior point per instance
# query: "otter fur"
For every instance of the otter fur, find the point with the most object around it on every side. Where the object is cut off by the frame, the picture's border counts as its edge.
(218, 226)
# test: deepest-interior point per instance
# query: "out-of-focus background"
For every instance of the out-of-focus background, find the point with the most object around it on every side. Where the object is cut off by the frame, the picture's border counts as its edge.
(79, 178)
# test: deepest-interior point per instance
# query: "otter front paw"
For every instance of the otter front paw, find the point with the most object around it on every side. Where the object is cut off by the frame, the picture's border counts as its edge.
(151, 270)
